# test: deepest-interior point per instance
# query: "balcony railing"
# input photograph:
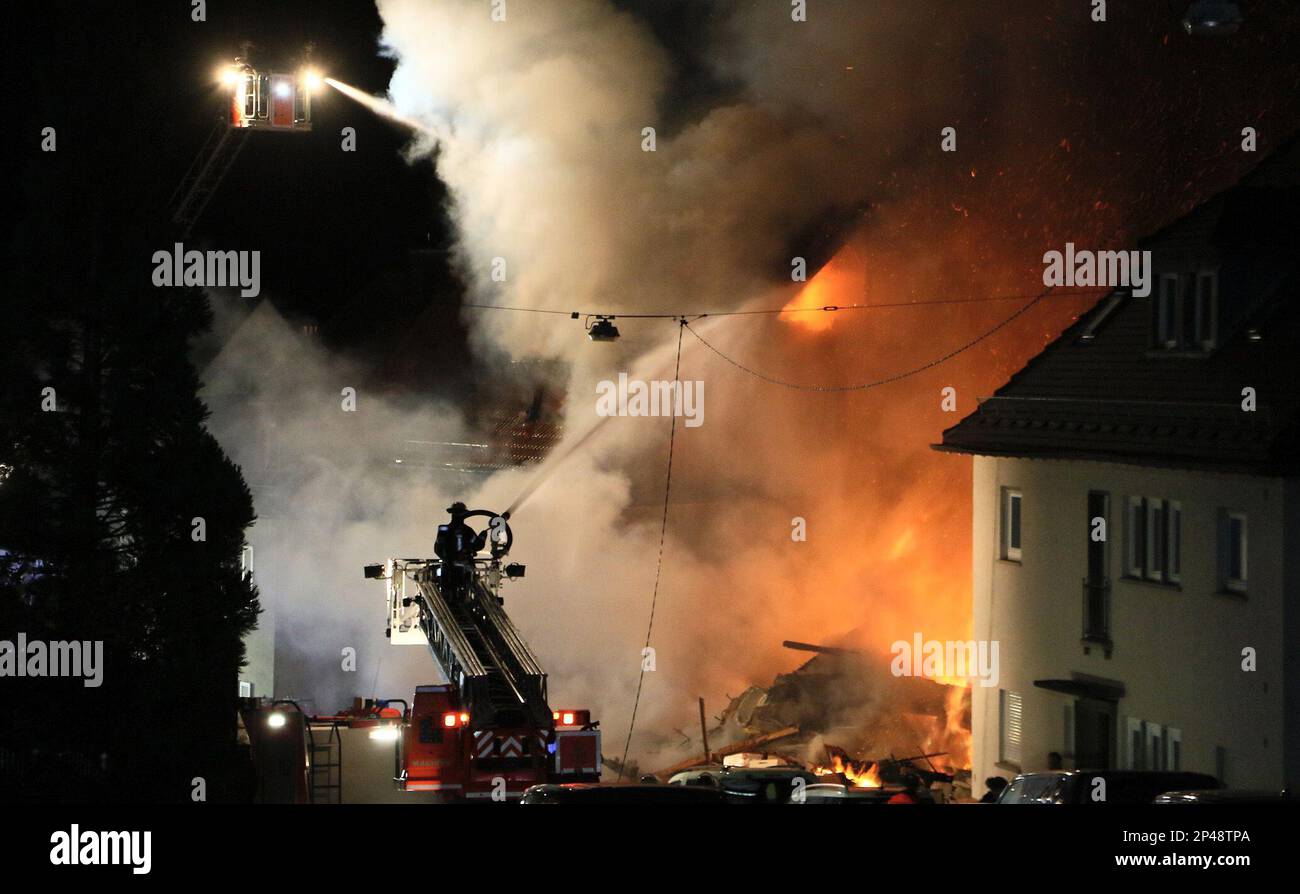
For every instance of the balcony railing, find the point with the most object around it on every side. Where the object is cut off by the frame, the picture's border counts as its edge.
(1096, 611)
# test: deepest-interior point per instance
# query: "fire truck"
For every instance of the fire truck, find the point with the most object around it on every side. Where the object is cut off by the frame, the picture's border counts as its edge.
(489, 730)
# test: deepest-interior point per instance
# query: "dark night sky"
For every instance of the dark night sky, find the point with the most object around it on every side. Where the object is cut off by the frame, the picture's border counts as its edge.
(335, 228)
(360, 211)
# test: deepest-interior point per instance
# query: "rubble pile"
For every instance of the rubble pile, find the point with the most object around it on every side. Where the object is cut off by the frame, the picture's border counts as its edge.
(843, 715)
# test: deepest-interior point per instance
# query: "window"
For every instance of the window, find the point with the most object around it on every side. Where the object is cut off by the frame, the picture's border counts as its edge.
(250, 96)
(1232, 551)
(1096, 586)
(1137, 751)
(1184, 312)
(1010, 727)
(1154, 539)
(1156, 530)
(1135, 548)
(1152, 746)
(1205, 310)
(1156, 746)
(1011, 501)
(245, 689)
(1173, 749)
(1067, 731)
(1174, 541)
(1167, 308)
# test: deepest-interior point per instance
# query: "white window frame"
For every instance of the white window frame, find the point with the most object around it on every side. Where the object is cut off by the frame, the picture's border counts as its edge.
(1008, 551)
(1011, 727)
(1226, 546)
(1158, 522)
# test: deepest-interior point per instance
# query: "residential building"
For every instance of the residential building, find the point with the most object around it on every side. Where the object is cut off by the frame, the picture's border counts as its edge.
(1136, 514)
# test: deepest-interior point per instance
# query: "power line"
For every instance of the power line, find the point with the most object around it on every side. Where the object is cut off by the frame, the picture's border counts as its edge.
(877, 382)
(659, 563)
(1076, 292)
(524, 310)
(1081, 292)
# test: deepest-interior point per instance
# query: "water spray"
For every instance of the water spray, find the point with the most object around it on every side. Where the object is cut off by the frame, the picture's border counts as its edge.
(379, 106)
(551, 465)
(554, 461)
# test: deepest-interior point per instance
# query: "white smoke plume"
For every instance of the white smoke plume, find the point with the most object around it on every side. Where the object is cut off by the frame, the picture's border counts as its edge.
(540, 124)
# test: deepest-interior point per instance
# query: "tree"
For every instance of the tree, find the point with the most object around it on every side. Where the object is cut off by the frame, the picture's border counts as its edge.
(99, 493)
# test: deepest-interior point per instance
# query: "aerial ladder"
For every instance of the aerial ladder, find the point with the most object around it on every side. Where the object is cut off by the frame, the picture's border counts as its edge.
(488, 731)
(269, 101)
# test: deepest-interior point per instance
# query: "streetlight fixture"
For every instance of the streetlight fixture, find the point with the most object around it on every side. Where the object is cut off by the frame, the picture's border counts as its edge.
(603, 329)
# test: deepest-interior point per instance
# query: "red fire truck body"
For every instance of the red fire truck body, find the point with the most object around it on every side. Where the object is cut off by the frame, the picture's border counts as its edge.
(444, 752)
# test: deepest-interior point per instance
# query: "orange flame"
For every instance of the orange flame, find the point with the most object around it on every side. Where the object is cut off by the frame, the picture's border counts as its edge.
(834, 285)
(860, 775)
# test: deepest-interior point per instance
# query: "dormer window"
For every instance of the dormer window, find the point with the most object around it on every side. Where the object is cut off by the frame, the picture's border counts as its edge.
(1185, 312)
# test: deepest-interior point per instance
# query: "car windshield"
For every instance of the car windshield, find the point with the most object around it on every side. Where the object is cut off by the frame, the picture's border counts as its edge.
(1032, 790)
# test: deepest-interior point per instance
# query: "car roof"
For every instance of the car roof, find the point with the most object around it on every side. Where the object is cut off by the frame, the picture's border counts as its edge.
(1221, 795)
(1120, 774)
(604, 793)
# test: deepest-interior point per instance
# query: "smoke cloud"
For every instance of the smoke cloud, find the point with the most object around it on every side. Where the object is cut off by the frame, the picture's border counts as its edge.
(540, 138)
(536, 124)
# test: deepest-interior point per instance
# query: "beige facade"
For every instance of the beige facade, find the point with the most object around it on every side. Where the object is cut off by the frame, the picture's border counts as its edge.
(1169, 690)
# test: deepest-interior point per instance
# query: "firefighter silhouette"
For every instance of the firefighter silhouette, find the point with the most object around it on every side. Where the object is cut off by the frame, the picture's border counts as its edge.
(457, 544)
(457, 541)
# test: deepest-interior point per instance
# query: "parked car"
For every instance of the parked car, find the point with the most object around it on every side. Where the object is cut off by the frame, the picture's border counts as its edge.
(747, 785)
(762, 785)
(838, 793)
(708, 776)
(595, 793)
(1229, 796)
(1122, 786)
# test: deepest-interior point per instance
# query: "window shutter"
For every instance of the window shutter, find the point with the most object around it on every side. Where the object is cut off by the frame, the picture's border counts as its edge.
(1012, 726)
